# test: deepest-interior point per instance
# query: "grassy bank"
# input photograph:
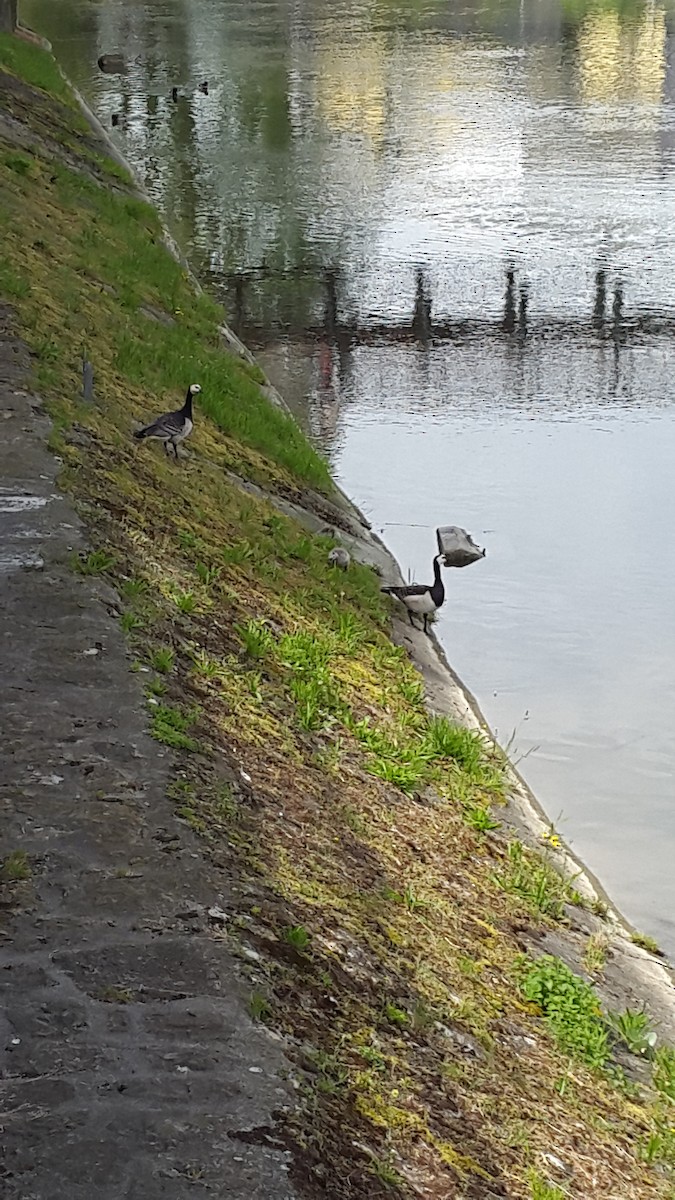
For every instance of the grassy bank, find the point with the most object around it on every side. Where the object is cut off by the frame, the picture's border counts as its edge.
(380, 909)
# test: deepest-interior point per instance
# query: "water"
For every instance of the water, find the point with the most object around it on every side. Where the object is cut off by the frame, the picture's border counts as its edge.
(450, 232)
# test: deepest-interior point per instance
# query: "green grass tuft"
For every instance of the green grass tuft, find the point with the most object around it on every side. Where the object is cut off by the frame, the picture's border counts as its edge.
(170, 725)
(37, 67)
(162, 659)
(647, 943)
(297, 936)
(15, 867)
(536, 881)
(571, 1009)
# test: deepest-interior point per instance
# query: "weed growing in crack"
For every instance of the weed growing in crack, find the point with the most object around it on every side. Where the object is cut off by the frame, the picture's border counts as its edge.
(479, 817)
(408, 774)
(412, 901)
(15, 867)
(659, 1146)
(94, 563)
(206, 574)
(256, 638)
(470, 753)
(297, 936)
(187, 540)
(541, 1190)
(386, 1173)
(397, 1016)
(253, 680)
(259, 1007)
(130, 621)
(537, 882)
(312, 686)
(314, 699)
(238, 553)
(632, 1028)
(133, 589)
(186, 602)
(595, 953)
(664, 1071)
(647, 943)
(162, 659)
(204, 665)
(169, 725)
(412, 690)
(115, 995)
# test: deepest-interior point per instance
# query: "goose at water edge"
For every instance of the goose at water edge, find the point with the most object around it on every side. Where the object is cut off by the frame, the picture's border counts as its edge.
(174, 427)
(421, 599)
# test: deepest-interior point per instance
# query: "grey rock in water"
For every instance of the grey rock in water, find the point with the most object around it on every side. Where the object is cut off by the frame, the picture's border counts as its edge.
(339, 557)
(457, 546)
(112, 64)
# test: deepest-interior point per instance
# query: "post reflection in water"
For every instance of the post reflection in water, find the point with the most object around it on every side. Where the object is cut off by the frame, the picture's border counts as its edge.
(452, 228)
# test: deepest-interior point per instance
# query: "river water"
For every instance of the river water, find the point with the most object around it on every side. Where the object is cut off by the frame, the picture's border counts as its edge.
(449, 230)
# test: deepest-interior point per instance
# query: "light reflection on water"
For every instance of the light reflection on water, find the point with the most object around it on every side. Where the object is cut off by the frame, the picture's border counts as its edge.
(497, 181)
(565, 632)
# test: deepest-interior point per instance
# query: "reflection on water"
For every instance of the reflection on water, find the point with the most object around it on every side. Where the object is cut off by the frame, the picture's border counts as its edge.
(451, 231)
(622, 60)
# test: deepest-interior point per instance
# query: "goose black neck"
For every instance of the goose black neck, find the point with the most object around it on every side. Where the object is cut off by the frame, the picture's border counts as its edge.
(437, 591)
(187, 407)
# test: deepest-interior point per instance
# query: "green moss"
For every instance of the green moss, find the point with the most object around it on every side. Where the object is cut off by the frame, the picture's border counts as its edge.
(35, 66)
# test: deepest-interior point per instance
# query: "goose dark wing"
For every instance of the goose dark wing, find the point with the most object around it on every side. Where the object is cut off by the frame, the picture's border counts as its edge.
(166, 425)
(411, 589)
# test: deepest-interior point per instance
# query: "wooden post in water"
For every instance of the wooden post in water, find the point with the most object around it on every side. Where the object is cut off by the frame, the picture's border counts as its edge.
(617, 311)
(422, 314)
(87, 381)
(522, 311)
(509, 322)
(330, 318)
(600, 297)
(8, 16)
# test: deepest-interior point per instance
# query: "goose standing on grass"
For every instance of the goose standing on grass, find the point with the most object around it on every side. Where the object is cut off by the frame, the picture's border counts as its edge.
(339, 557)
(420, 599)
(174, 427)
